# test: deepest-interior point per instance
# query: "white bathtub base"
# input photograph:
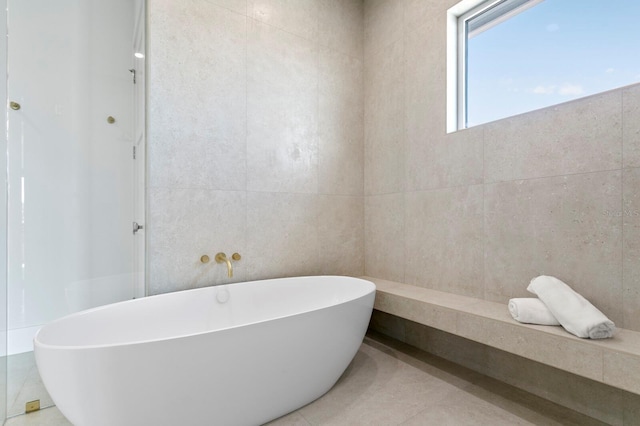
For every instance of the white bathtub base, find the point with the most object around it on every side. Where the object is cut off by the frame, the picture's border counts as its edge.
(237, 376)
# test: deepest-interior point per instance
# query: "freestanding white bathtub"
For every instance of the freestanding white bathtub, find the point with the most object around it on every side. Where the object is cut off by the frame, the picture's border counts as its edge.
(239, 354)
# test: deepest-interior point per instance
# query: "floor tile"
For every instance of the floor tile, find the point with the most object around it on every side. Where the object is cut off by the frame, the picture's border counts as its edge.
(292, 419)
(24, 384)
(47, 417)
(390, 383)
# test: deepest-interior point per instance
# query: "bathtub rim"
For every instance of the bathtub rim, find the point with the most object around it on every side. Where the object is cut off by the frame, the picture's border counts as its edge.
(37, 343)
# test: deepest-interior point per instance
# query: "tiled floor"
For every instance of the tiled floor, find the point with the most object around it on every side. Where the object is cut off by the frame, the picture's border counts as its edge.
(24, 384)
(47, 417)
(389, 383)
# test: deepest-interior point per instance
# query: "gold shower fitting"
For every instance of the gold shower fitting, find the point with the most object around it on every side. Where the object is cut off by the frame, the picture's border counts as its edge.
(222, 258)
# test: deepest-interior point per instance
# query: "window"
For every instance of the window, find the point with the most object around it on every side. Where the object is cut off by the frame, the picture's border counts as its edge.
(514, 56)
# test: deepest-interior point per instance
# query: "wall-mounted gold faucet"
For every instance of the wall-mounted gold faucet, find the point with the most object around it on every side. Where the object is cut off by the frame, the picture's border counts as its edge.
(222, 258)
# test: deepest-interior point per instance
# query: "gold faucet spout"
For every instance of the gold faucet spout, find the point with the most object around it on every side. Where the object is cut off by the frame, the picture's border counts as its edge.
(222, 258)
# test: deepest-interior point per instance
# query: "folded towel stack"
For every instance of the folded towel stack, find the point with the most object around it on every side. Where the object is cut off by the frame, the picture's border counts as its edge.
(572, 311)
(531, 310)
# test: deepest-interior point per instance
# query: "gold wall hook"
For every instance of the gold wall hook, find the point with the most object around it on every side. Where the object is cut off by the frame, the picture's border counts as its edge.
(111, 120)
(14, 105)
(204, 258)
(236, 256)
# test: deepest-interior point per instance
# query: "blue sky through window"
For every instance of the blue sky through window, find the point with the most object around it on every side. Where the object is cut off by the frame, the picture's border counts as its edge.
(551, 53)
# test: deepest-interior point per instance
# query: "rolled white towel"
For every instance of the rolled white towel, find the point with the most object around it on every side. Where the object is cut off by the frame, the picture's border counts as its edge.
(573, 311)
(531, 310)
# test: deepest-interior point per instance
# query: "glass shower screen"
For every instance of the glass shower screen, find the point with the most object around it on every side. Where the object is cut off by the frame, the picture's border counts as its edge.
(71, 172)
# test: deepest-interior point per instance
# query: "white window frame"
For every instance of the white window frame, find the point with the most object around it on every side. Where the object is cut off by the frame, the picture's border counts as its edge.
(457, 18)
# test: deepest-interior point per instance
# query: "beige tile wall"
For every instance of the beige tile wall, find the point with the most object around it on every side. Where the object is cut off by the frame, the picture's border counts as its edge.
(256, 134)
(480, 212)
(269, 120)
(309, 135)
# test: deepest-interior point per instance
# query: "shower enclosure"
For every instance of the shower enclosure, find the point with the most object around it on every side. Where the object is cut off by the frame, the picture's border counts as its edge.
(75, 168)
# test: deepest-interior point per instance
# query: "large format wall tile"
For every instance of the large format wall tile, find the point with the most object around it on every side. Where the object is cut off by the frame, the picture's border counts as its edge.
(282, 111)
(197, 119)
(341, 26)
(237, 103)
(631, 126)
(269, 104)
(183, 225)
(563, 226)
(575, 137)
(425, 74)
(239, 6)
(416, 12)
(298, 17)
(631, 246)
(282, 235)
(444, 239)
(433, 158)
(341, 124)
(341, 235)
(384, 118)
(384, 236)
(383, 24)
(438, 160)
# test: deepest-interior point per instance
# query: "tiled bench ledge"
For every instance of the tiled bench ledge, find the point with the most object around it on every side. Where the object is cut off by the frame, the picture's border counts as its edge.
(615, 361)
